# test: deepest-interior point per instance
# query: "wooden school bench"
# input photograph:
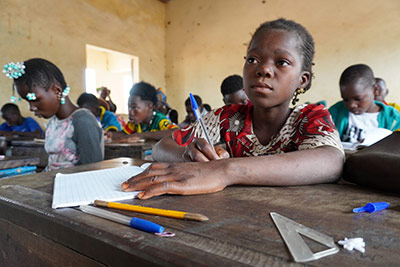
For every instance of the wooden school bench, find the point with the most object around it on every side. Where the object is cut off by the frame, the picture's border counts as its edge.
(240, 230)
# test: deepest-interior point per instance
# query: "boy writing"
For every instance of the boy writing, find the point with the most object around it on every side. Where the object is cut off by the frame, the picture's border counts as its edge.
(108, 120)
(232, 90)
(358, 116)
(16, 124)
(144, 121)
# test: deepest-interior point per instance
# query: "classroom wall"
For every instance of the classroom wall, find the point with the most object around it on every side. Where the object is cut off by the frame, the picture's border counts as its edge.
(206, 41)
(59, 31)
(191, 46)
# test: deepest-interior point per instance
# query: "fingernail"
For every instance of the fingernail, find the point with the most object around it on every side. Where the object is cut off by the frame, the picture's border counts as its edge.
(124, 185)
(140, 195)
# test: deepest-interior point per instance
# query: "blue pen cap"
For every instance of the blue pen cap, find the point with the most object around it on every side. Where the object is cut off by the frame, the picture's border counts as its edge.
(372, 207)
(195, 107)
(146, 226)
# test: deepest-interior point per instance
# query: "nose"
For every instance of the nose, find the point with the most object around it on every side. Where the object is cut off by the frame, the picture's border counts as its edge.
(353, 104)
(131, 113)
(265, 70)
(32, 106)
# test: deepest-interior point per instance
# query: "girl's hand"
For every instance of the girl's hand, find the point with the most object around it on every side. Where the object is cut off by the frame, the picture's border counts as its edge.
(176, 178)
(200, 150)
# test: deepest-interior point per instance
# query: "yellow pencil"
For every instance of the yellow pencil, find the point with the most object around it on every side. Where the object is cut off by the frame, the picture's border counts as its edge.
(153, 211)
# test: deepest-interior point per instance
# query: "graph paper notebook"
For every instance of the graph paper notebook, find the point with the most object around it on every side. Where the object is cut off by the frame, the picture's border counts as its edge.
(83, 188)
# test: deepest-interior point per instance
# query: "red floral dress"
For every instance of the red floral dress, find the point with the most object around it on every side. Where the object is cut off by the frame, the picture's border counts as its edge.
(307, 127)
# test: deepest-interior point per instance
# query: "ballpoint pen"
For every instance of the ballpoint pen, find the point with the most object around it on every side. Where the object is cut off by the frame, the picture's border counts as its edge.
(197, 113)
(133, 222)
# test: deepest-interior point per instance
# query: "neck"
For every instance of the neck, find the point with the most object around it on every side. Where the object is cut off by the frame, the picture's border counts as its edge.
(65, 109)
(268, 122)
(149, 119)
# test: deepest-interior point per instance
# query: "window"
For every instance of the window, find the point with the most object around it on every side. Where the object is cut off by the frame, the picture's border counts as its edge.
(114, 70)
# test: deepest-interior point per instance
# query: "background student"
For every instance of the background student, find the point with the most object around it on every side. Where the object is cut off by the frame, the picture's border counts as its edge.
(190, 117)
(144, 120)
(232, 90)
(16, 124)
(108, 120)
(268, 142)
(163, 107)
(105, 94)
(382, 91)
(73, 136)
(358, 116)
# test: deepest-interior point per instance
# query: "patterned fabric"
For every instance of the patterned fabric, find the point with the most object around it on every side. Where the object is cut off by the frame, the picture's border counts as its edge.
(307, 127)
(78, 139)
(59, 145)
(29, 125)
(109, 120)
(159, 122)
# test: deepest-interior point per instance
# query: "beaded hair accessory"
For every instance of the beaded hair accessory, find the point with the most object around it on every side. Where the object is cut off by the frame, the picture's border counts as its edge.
(31, 96)
(14, 70)
(64, 94)
(15, 100)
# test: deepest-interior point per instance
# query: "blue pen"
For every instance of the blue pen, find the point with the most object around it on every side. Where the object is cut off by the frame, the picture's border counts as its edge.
(197, 113)
(133, 222)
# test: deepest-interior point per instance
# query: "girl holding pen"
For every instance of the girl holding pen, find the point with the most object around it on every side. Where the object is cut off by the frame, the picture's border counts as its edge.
(268, 143)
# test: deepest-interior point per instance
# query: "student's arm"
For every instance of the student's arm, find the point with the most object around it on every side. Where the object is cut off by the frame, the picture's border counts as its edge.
(376, 166)
(157, 135)
(319, 165)
(34, 134)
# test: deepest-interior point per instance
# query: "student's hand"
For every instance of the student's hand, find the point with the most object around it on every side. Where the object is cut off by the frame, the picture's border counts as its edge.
(176, 178)
(200, 150)
(132, 138)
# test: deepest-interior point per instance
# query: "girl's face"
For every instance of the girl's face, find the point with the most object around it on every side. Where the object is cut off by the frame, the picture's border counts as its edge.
(46, 103)
(139, 110)
(273, 69)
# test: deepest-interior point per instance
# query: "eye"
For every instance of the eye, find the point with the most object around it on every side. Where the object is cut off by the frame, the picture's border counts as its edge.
(251, 60)
(283, 62)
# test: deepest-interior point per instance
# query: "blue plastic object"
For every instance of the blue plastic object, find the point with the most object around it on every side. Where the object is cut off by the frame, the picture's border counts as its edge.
(372, 207)
(146, 226)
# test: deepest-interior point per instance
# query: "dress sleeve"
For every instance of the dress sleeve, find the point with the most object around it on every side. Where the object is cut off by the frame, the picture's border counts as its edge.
(316, 129)
(88, 137)
(211, 120)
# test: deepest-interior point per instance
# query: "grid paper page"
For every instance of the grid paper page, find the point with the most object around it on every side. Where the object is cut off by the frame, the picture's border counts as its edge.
(84, 188)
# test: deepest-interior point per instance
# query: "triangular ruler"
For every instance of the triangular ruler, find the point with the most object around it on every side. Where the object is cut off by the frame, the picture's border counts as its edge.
(300, 251)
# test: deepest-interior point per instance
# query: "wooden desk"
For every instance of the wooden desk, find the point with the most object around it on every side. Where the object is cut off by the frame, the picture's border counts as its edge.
(131, 150)
(14, 162)
(29, 148)
(240, 230)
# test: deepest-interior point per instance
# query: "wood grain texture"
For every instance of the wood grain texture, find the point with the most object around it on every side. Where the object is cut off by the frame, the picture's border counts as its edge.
(239, 232)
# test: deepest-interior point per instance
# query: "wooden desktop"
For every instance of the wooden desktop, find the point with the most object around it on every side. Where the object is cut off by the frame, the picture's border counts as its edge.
(240, 230)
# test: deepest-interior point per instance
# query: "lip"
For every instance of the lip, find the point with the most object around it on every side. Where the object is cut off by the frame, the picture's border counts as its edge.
(261, 87)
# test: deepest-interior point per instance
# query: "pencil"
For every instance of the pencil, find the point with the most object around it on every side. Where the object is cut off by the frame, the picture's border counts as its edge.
(153, 211)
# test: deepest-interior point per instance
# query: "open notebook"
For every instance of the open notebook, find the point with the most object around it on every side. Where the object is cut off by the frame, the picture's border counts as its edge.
(84, 188)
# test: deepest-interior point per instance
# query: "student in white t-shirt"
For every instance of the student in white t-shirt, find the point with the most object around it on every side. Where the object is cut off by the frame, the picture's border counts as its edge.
(358, 117)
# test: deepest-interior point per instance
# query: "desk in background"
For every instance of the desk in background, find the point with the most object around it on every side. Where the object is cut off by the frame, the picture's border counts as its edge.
(29, 148)
(132, 150)
(240, 230)
(14, 162)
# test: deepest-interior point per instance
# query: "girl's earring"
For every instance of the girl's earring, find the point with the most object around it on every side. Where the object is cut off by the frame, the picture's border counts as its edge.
(64, 94)
(298, 92)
